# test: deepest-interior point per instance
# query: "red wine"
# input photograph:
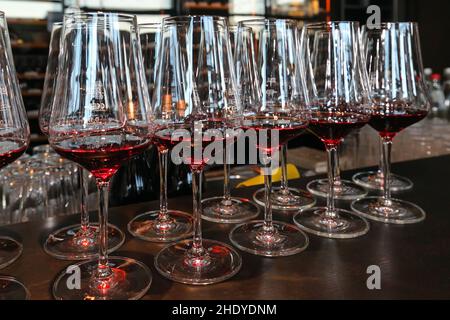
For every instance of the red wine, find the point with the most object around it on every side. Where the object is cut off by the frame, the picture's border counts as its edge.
(10, 150)
(332, 127)
(287, 128)
(389, 125)
(208, 131)
(102, 153)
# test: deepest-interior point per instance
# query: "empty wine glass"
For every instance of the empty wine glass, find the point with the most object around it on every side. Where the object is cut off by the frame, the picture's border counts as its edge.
(80, 241)
(162, 225)
(99, 120)
(269, 72)
(14, 140)
(195, 102)
(338, 98)
(401, 99)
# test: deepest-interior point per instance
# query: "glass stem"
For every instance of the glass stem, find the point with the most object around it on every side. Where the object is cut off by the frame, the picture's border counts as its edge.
(197, 247)
(284, 179)
(83, 179)
(337, 171)
(332, 156)
(103, 270)
(387, 147)
(163, 156)
(268, 222)
(381, 166)
(226, 184)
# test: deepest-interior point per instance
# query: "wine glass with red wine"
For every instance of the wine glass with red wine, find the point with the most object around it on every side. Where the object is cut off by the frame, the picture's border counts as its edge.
(99, 120)
(80, 241)
(14, 140)
(194, 104)
(161, 225)
(227, 208)
(337, 94)
(276, 116)
(284, 198)
(399, 91)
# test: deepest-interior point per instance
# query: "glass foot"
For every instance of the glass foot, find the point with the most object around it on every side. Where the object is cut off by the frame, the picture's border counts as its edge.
(69, 243)
(373, 180)
(148, 227)
(214, 263)
(344, 225)
(10, 251)
(293, 200)
(347, 190)
(283, 240)
(12, 289)
(130, 280)
(237, 211)
(395, 211)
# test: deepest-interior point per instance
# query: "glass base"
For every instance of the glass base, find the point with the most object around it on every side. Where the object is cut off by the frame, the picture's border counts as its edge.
(293, 201)
(130, 280)
(237, 211)
(373, 180)
(345, 225)
(286, 239)
(394, 212)
(215, 263)
(68, 243)
(346, 191)
(10, 251)
(12, 289)
(147, 227)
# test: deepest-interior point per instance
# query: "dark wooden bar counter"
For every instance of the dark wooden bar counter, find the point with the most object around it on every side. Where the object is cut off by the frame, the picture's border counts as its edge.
(414, 259)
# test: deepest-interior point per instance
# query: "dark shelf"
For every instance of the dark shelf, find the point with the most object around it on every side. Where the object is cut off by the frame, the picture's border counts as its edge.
(31, 76)
(28, 45)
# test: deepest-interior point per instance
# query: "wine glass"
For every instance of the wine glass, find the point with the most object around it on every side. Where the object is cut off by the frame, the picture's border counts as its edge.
(228, 209)
(162, 225)
(80, 241)
(283, 198)
(401, 99)
(99, 120)
(273, 78)
(14, 140)
(338, 99)
(194, 104)
(373, 180)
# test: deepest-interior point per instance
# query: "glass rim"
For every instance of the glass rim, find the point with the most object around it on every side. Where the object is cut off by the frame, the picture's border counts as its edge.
(386, 25)
(149, 26)
(180, 19)
(99, 14)
(269, 21)
(331, 23)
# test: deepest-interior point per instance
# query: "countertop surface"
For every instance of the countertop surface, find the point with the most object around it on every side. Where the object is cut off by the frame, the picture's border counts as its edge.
(414, 259)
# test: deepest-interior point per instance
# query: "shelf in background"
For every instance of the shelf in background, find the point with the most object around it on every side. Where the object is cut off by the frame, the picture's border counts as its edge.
(33, 114)
(31, 76)
(29, 45)
(27, 22)
(27, 93)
